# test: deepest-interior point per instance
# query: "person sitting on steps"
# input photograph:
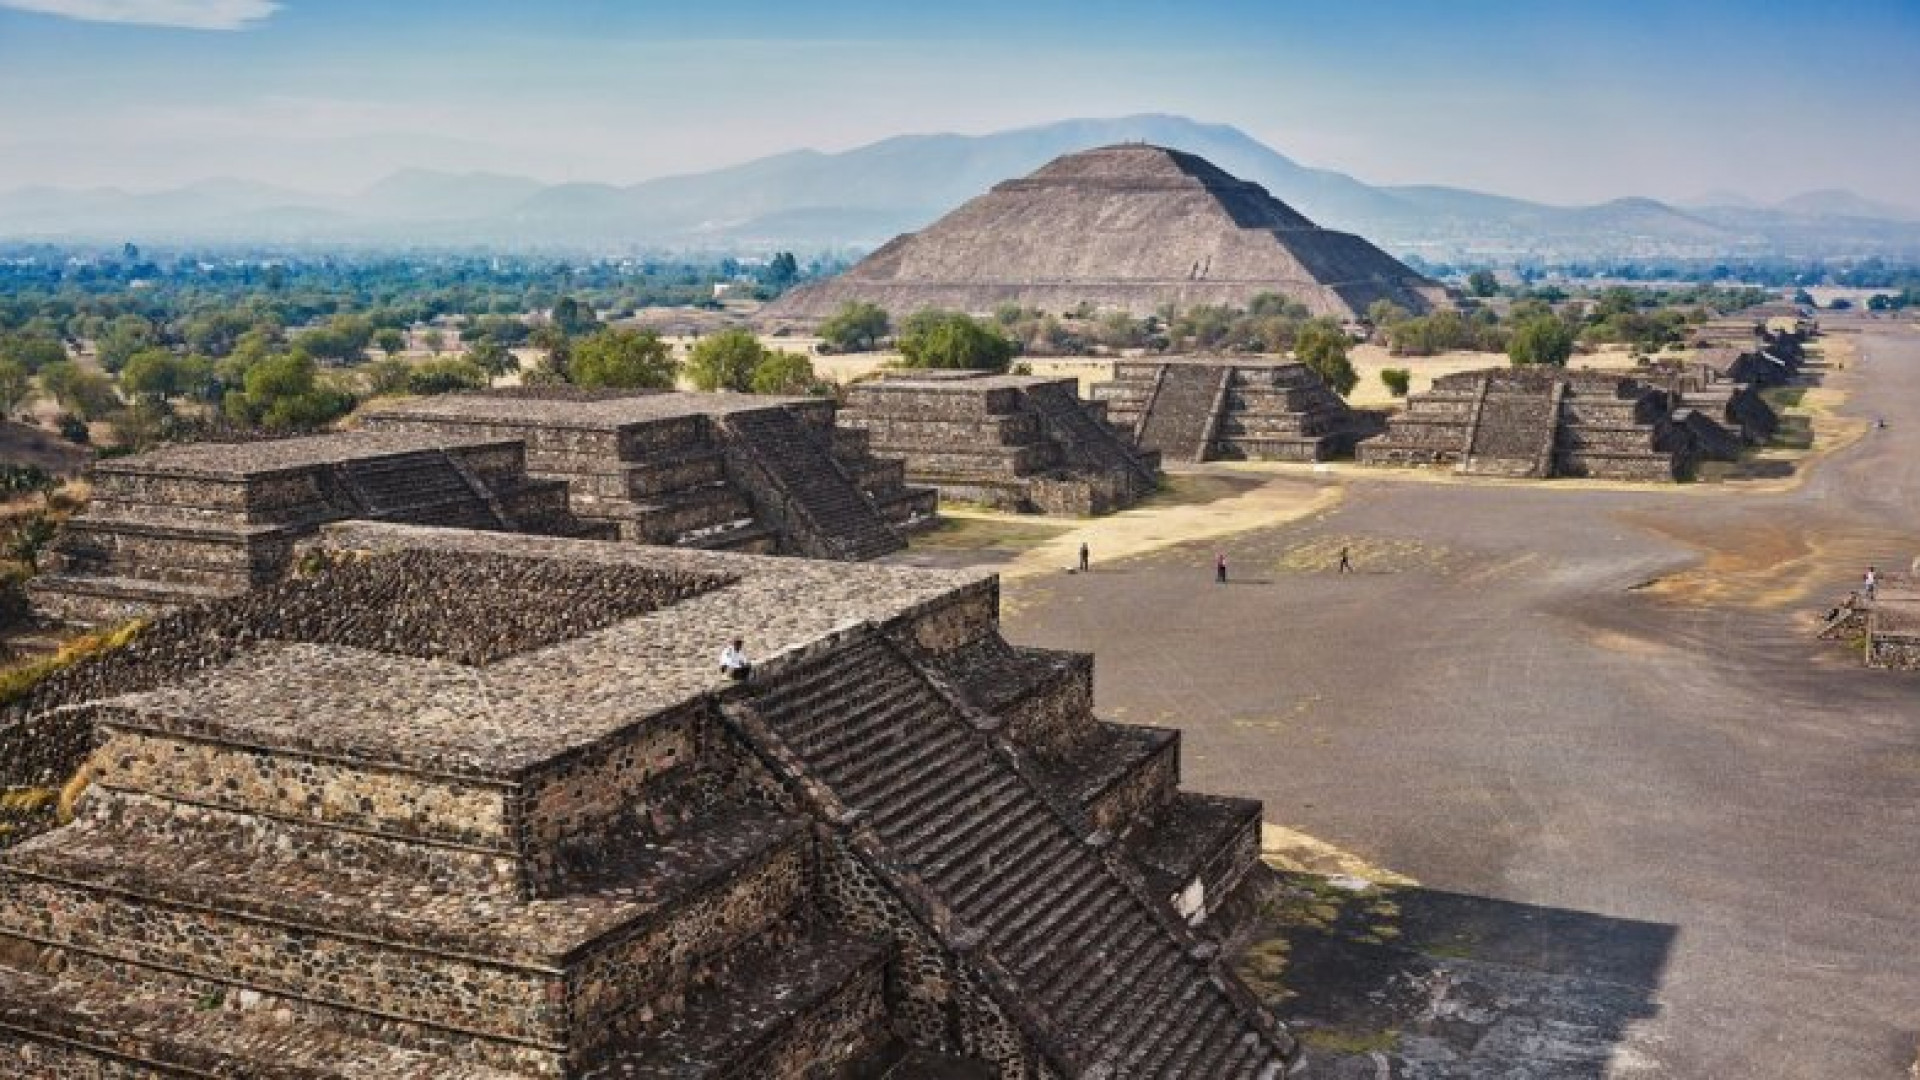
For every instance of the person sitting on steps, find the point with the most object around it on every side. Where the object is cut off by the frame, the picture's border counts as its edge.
(734, 662)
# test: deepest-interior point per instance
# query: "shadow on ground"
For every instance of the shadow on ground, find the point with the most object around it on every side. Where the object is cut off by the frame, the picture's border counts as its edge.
(1403, 981)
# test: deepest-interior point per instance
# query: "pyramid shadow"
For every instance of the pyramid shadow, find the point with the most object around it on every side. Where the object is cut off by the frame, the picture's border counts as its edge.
(1448, 984)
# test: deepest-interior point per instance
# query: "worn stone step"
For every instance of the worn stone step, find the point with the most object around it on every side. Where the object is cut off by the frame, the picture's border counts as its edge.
(1211, 839)
(808, 1010)
(547, 976)
(53, 1028)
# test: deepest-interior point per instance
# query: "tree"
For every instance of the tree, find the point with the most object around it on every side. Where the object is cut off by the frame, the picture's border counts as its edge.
(1482, 283)
(1397, 380)
(388, 377)
(446, 376)
(86, 394)
(125, 336)
(285, 393)
(781, 273)
(390, 340)
(857, 327)
(628, 359)
(782, 372)
(16, 387)
(726, 360)
(32, 351)
(1322, 346)
(1541, 339)
(948, 339)
(574, 318)
(492, 358)
(159, 375)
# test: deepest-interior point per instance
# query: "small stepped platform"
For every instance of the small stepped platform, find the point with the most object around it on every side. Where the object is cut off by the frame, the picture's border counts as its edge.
(1017, 442)
(736, 472)
(1206, 409)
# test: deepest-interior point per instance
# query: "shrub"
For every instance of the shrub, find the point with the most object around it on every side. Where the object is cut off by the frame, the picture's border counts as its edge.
(947, 339)
(1397, 380)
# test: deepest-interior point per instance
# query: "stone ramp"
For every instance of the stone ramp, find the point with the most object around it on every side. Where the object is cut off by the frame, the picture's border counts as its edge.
(1180, 417)
(1085, 953)
(829, 516)
(419, 489)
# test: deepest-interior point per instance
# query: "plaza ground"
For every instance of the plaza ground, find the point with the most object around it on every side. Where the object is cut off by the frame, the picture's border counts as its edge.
(1656, 829)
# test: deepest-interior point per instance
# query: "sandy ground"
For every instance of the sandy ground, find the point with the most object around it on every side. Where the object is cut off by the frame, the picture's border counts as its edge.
(1658, 831)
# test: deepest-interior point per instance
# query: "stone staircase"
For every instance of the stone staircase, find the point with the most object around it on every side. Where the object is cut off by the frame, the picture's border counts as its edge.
(1181, 421)
(826, 513)
(1511, 433)
(419, 489)
(1089, 442)
(1098, 967)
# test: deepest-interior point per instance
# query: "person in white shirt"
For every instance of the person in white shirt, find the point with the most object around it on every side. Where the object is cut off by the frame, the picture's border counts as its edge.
(733, 660)
(1871, 583)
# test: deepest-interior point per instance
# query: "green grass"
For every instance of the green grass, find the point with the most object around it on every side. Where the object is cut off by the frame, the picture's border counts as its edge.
(1338, 1041)
(983, 534)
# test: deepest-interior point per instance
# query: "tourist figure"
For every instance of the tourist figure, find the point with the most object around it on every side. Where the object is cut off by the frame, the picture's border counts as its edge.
(1220, 568)
(1346, 564)
(1870, 583)
(1083, 557)
(733, 661)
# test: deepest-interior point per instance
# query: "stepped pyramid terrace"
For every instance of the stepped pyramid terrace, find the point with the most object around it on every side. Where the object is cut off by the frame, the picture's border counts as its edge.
(1120, 228)
(1545, 422)
(734, 472)
(458, 804)
(1202, 409)
(1016, 442)
(191, 523)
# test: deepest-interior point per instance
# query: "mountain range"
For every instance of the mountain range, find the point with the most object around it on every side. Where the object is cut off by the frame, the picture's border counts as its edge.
(854, 200)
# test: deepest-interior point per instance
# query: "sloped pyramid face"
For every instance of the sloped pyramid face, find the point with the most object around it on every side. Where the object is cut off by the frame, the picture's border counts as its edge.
(1129, 227)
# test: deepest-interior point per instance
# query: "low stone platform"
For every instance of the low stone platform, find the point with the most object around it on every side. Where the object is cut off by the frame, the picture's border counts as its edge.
(1203, 409)
(562, 843)
(733, 472)
(1538, 423)
(190, 523)
(1015, 442)
(1886, 628)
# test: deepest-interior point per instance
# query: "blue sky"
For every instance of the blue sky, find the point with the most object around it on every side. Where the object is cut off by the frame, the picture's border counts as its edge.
(1561, 102)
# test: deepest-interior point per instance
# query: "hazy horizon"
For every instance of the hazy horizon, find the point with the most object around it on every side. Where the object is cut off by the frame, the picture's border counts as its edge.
(1565, 104)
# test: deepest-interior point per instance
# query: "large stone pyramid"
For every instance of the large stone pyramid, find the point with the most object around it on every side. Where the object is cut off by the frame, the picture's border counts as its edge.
(1128, 227)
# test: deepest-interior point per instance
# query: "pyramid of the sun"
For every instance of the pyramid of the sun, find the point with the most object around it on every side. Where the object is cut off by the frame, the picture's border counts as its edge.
(1130, 227)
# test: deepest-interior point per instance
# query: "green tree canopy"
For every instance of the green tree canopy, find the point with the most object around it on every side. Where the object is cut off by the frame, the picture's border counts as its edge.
(16, 387)
(492, 358)
(1322, 346)
(32, 351)
(1541, 339)
(948, 339)
(1482, 283)
(446, 375)
(629, 359)
(390, 340)
(1397, 380)
(285, 393)
(726, 360)
(782, 372)
(86, 394)
(857, 327)
(159, 375)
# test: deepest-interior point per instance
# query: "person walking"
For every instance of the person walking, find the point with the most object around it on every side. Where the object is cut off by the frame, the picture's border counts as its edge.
(1083, 556)
(1346, 564)
(1220, 568)
(1870, 583)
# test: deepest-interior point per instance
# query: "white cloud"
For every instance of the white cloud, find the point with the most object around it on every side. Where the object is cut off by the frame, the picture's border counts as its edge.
(184, 14)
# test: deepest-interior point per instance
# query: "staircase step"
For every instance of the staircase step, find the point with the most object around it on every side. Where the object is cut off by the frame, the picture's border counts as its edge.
(54, 1028)
(803, 1011)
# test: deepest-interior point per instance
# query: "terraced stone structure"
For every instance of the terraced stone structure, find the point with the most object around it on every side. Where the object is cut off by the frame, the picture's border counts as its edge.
(728, 472)
(1016, 442)
(1203, 409)
(565, 845)
(1539, 423)
(1887, 627)
(1120, 228)
(191, 523)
